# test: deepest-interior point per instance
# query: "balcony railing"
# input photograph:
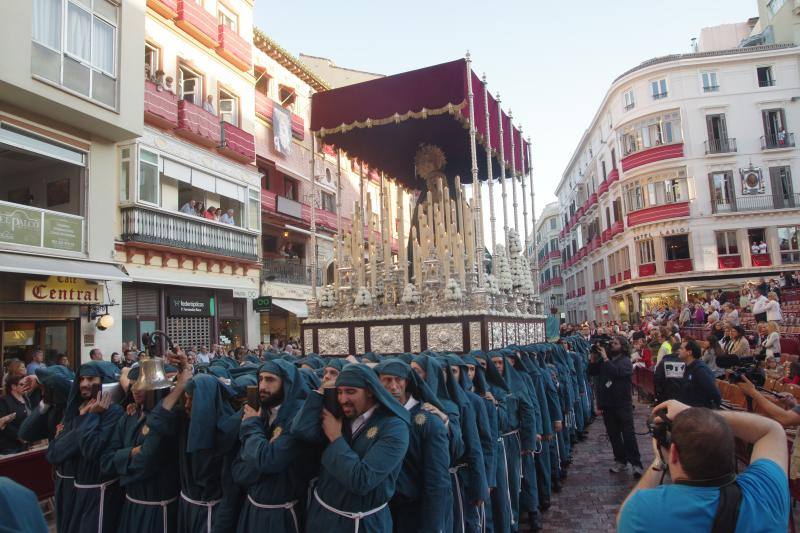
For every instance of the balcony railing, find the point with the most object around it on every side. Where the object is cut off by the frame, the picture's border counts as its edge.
(677, 265)
(197, 22)
(613, 176)
(725, 262)
(166, 8)
(197, 124)
(761, 260)
(603, 188)
(177, 230)
(237, 143)
(289, 271)
(234, 48)
(264, 105)
(776, 141)
(286, 206)
(617, 228)
(160, 106)
(643, 155)
(761, 202)
(647, 269)
(720, 146)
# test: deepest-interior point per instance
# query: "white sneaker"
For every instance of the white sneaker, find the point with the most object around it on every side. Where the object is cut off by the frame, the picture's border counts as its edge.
(637, 472)
(618, 467)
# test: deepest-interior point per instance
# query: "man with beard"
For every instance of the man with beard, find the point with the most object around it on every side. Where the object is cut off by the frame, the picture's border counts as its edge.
(362, 461)
(146, 463)
(206, 428)
(424, 482)
(89, 422)
(272, 465)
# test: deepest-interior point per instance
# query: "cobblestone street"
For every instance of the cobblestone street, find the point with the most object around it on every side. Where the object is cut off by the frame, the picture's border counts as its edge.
(591, 495)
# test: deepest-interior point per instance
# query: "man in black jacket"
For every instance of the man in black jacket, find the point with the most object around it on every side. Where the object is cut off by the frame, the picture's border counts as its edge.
(699, 386)
(668, 378)
(614, 370)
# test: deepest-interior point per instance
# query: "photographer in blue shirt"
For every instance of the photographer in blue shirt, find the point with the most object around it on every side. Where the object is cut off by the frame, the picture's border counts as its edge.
(699, 458)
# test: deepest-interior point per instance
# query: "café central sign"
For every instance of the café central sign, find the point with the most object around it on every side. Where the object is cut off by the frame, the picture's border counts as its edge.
(64, 290)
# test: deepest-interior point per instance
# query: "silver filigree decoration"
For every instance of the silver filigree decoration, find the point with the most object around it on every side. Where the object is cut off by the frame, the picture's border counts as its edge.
(443, 337)
(386, 339)
(333, 341)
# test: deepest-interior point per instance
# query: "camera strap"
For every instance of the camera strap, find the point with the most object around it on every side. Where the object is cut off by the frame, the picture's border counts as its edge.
(730, 497)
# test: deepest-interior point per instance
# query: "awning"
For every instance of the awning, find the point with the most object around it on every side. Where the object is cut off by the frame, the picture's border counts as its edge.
(191, 278)
(384, 121)
(51, 266)
(296, 307)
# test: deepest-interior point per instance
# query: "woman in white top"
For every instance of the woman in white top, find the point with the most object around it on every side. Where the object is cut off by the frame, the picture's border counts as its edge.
(773, 308)
(772, 342)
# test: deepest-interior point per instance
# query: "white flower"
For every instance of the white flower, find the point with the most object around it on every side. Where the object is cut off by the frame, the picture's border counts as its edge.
(410, 294)
(363, 297)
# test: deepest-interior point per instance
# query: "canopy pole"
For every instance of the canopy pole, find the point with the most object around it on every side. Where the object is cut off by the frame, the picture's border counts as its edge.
(362, 207)
(534, 237)
(489, 166)
(503, 193)
(525, 240)
(313, 218)
(513, 173)
(476, 191)
(339, 205)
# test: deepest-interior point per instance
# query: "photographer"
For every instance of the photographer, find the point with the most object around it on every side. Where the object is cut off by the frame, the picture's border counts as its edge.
(613, 370)
(699, 386)
(697, 448)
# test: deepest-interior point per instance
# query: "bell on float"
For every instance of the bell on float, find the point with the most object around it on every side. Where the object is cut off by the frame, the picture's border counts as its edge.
(151, 375)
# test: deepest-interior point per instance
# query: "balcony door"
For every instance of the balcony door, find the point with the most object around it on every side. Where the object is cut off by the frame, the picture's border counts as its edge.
(782, 190)
(774, 126)
(717, 133)
(723, 197)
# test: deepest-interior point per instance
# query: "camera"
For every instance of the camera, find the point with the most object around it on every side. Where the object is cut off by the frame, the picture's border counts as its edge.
(660, 427)
(749, 370)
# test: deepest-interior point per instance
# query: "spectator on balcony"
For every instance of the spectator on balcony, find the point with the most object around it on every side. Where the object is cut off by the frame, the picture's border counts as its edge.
(781, 136)
(771, 343)
(218, 214)
(189, 208)
(210, 213)
(773, 308)
(158, 79)
(201, 210)
(208, 105)
(754, 248)
(227, 218)
(168, 84)
(762, 247)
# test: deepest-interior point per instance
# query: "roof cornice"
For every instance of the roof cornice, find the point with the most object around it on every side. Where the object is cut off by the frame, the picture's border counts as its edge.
(287, 60)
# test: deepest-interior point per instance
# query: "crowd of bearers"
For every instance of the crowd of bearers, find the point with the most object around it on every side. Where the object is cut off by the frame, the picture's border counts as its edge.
(437, 442)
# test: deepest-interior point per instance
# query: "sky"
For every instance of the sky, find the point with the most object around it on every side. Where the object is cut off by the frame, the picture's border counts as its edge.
(552, 62)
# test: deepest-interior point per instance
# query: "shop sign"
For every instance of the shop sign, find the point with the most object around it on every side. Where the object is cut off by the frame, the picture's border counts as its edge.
(190, 306)
(262, 304)
(64, 290)
(34, 227)
(245, 293)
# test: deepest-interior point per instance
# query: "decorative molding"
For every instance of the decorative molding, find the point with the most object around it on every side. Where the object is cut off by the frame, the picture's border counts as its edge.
(308, 341)
(333, 341)
(386, 339)
(445, 337)
(416, 344)
(360, 341)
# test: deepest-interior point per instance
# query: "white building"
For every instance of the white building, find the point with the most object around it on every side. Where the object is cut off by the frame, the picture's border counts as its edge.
(548, 257)
(688, 166)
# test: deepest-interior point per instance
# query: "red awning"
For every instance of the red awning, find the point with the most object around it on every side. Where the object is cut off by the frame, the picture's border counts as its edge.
(384, 121)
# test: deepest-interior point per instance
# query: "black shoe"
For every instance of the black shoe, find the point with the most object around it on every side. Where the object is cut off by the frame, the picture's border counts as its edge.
(544, 505)
(556, 486)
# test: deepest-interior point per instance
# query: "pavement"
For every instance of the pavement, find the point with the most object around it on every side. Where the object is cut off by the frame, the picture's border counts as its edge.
(591, 495)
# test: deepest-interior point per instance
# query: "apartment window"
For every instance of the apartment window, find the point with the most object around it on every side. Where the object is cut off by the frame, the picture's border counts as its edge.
(228, 18)
(654, 130)
(152, 60)
(765, 78)
(782, 189)
(646, 251)
(718, 141)
(290, 188)
(554, 244)
(287, 96)
(710, 84)
(617, 204)
(84, 60)
(634, 196)
(775, 135)
(613, 159)
(726, 243)
(553, 223)
(677, 247)
(789, 244)
(328, 202)
(658, 89)
(722, 192)
(628, 100)
(254, 209)
(190, 85)
(148, 177)
(774, 6)
(262, 81)
(125, 162)
(603, 168)
(228, 107)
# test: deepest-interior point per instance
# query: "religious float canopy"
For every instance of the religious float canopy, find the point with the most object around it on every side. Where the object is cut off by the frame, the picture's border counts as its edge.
(430, 129)
(384, 121)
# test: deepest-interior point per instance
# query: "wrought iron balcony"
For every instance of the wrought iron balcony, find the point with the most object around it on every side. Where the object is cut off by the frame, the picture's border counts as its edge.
(722, 145)
(755, 202)
(187, 232)
(289, 271)
(776, 141)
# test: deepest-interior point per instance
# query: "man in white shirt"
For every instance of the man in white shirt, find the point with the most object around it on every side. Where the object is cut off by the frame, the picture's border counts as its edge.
(202, 355)
(759, 306)
(754, 248)
(189, 208)
(762, 247)
(714, 302)
(227, 217)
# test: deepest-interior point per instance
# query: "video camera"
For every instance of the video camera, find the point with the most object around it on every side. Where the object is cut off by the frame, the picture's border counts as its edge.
(742, 366)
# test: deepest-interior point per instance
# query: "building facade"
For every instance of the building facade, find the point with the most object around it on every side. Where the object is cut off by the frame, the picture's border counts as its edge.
(548, 257)
(70, 94)
(685, 181)
(188, 226)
